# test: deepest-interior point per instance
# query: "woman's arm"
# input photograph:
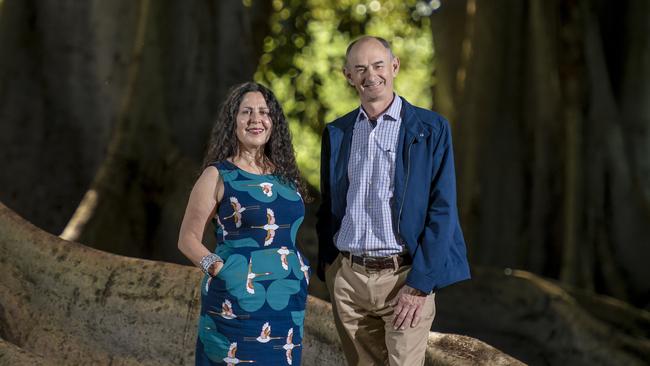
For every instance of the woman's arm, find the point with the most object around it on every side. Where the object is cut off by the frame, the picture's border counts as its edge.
(201, 207)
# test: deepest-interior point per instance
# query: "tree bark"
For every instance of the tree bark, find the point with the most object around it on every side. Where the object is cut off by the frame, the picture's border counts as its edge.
(630, 196)
(552, 138)
(69, 304)
(119, 97)
(487, 126)
(183, 61)
(12, 355)
(76, 305)
(455, 29)
(61, 71)
(541, 323)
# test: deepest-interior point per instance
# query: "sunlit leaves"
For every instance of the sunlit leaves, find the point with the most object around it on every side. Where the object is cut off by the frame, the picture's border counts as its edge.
(304, 55)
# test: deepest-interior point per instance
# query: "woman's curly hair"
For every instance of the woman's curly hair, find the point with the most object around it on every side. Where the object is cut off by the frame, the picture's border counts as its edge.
(278, 150)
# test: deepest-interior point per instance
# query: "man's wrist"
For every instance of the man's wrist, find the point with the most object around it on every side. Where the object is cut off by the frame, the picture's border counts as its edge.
(416, 292)
(419, 292)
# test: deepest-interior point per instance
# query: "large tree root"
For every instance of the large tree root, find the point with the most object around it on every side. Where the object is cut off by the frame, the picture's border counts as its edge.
(65, 303)
(542, 323)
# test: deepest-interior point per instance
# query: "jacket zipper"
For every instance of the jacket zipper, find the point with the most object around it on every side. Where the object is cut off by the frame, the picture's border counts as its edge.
(408, 173)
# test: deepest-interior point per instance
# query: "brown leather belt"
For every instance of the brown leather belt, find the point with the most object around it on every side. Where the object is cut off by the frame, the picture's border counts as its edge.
(379, 263)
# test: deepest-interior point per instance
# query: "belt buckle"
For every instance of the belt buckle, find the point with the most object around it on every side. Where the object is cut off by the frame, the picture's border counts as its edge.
(367, 263)
(374, 264)
(371, 268)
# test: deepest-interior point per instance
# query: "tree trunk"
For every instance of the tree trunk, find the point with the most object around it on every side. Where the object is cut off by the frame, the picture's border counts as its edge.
(62, 66)
(184, 59)
(120, 97)
(64, 303)
(455, 30)
(630, 195)
(552, 138)
(488, 123)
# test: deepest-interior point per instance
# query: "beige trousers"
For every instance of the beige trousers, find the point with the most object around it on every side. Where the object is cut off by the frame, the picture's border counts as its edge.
(364, 319)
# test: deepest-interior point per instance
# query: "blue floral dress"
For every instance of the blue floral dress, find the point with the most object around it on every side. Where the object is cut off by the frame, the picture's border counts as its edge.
(253, 310)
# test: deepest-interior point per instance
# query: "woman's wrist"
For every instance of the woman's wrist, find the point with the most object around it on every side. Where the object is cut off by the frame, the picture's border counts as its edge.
(207, 263)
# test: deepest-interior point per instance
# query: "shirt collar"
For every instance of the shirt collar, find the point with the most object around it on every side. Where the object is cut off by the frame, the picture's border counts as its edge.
(393, 111)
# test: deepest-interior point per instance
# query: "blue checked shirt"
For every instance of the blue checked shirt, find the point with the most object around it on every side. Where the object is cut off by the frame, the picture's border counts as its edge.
(367, 227)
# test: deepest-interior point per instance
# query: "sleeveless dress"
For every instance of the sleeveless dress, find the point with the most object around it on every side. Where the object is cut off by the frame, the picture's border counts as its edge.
(252, 311)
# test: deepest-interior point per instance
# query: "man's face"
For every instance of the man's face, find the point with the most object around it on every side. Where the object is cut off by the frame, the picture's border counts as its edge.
(371, 70)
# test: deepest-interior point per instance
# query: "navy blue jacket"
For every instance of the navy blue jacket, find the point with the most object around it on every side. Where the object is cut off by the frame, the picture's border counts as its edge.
(424, 197)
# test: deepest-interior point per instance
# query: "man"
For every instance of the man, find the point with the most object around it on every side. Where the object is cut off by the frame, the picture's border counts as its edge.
(388, 228)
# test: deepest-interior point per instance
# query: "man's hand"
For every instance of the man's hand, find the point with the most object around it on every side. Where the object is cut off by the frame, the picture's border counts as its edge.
(408, 304)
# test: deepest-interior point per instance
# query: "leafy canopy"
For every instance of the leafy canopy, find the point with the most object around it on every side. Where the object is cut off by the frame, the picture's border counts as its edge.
(305, 52)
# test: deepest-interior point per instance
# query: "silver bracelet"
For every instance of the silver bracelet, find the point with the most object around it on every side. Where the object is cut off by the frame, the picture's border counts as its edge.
(208, 261)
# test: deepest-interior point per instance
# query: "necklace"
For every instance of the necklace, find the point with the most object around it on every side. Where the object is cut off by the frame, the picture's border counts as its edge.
(249, 164)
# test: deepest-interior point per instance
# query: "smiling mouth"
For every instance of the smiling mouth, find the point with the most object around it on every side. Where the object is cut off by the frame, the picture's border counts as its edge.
(371, 86)
(255, 131)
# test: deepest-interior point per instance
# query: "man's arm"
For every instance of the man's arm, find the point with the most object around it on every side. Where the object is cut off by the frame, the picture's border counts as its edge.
(326, 250)
(437, 237)
(441, 221)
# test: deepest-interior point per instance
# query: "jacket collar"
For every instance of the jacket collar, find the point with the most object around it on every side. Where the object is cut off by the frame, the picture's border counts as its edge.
(411, 122)
(413, 125)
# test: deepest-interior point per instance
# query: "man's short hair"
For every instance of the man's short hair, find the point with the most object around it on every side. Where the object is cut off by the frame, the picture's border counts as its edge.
(381, 40)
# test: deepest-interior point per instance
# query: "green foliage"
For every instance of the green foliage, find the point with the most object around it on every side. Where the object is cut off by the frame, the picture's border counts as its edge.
(303, 58)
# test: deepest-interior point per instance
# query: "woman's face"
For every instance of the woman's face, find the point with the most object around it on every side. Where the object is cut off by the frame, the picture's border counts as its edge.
(254, 123)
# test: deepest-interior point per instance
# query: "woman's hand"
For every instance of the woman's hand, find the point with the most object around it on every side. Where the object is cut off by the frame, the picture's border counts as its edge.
(216, 268)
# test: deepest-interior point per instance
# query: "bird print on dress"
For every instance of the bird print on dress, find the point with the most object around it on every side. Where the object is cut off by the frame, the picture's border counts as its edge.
(238, 209)
(265, 335)
(231, 359)
(207, 284)
(224, 232)
(270, 227)
(267, 188)
(251, 276)
(303, 267)
(289, 346)
(227, 312)
(284, 252)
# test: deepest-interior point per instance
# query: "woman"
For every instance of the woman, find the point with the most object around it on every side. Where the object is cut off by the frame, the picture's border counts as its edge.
(254, 292)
